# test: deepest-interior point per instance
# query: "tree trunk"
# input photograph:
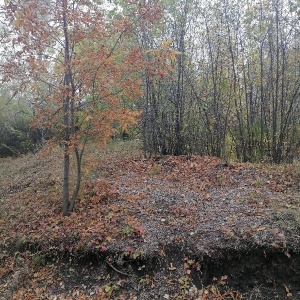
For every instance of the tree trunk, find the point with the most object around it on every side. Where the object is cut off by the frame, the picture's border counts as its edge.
(66, 113)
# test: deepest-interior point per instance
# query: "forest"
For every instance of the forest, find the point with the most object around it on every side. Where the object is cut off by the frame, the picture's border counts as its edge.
(220, 78)
(155, 142)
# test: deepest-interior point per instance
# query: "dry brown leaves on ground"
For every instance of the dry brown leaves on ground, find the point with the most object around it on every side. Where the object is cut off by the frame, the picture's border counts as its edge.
(130, 209)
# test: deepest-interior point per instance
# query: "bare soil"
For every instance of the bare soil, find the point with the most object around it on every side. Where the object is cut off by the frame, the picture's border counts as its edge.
(158, 228)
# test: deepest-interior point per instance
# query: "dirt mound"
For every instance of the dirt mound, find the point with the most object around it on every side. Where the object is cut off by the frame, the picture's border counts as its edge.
(164, 228)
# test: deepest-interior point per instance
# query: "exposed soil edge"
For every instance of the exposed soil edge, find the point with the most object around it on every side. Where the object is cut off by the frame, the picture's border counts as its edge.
(256, 273)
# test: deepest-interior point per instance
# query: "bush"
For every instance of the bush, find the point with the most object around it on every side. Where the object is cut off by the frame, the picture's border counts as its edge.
(16, 136)
(15, 139)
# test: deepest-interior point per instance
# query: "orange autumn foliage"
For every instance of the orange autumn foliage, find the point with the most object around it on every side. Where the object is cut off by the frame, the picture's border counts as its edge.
(82, 68)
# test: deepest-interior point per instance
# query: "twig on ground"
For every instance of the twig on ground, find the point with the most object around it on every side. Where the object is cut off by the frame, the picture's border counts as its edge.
(116, 270)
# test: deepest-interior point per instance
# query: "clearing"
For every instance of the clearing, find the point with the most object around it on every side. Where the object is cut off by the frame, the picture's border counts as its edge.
(158, 228)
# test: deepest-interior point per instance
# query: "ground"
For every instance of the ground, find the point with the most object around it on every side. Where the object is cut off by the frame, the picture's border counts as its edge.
(185, 227)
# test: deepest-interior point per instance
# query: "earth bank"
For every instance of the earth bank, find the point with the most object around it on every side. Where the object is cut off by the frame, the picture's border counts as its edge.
(162, 228)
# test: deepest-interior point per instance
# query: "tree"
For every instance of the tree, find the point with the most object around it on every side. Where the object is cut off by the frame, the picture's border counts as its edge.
(79, 68)
(234, 89)
(164, 97)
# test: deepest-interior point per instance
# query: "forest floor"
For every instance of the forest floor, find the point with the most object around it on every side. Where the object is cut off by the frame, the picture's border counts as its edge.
(158, 228)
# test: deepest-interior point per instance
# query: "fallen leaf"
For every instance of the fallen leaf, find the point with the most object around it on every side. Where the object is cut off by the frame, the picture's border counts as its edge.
(288, 293)
(225, 277)
(103, 248)
(186, 265)
(261, 228)
(140, 230)
(287, 254)
(129, 249)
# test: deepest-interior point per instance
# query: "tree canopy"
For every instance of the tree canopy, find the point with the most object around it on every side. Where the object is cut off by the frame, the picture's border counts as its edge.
(81, 69)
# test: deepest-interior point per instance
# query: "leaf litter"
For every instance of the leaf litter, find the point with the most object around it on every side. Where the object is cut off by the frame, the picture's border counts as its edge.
(146, 218)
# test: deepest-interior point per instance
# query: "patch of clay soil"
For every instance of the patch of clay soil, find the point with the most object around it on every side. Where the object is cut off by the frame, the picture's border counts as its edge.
(163, 228)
